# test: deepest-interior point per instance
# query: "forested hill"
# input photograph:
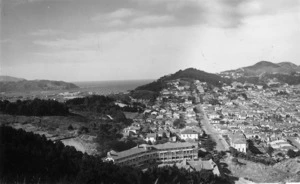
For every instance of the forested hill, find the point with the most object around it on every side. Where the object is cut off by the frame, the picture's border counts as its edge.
(29, 158)
(190, 73)
(35, 85)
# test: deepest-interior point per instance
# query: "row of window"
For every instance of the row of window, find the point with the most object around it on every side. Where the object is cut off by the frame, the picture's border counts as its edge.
(154, 152)
(189, 135)
(137, 162)
(158, 156)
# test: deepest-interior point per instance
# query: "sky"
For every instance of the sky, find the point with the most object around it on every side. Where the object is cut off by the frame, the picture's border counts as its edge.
(94, 40)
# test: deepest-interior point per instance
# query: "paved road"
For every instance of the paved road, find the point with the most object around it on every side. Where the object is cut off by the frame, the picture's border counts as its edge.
(210, 130)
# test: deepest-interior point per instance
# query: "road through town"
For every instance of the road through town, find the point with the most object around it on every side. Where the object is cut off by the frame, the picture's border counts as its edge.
(222, 145)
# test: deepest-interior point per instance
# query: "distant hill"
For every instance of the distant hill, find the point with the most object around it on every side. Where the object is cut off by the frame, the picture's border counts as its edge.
(12, 84)
(264, 71)
(190, 73)
(266, 67)
(4, 78)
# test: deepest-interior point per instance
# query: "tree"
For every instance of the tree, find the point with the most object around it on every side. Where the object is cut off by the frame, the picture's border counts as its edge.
(214, 101)
(208, 144)
(83, 130)
(179, 123)
(270, 150)
(291, 153)
(233, 152)
(70, 127)
(244, 96)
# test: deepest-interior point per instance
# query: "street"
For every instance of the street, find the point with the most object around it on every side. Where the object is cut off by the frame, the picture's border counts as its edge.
(222, 145)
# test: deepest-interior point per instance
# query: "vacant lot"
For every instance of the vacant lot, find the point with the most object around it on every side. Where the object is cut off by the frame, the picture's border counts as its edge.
(54, 128)
(288, 170)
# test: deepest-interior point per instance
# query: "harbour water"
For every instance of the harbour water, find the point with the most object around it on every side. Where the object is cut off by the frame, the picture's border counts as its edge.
(108, 87)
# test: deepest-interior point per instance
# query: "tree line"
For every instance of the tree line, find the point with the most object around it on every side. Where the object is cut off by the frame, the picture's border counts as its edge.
(36, 107)
(30, 158)
(100, 104)
(263, 160)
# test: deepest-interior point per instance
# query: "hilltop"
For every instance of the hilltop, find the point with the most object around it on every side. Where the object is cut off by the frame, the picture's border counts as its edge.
(189, 73)
(265, 72)
(4, 78)
(12, 84)
(266, 67)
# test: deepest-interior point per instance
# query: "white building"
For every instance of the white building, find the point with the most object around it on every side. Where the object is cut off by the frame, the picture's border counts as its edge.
(165, 153)
(151, 137)
(238, 141)
(189, 134)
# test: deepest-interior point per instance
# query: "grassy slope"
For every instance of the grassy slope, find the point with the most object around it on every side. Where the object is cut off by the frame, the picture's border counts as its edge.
(262, 173)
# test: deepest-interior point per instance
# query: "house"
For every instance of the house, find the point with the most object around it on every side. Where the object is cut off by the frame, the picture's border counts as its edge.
(189, 134)
(238, 141)
(242, 116)
(213, 115)
(216, 120)
(197, 165)
(176, 115)
(151, 137)
(131, 129)
(282, 145)
(162, 133)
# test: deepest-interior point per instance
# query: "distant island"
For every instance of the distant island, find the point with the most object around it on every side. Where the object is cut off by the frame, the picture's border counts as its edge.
(13, 84)
(267, 67)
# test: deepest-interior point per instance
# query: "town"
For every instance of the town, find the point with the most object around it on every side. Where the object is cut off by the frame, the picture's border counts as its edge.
(249, 121)
(189, 124)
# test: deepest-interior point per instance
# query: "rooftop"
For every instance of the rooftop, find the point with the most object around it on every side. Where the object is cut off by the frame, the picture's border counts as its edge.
(189, 131)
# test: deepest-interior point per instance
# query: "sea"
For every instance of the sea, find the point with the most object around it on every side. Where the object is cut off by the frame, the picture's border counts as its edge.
(110, 87)
(85, 88)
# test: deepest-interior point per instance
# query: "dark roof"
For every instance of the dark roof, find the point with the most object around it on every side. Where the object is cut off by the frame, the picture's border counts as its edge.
(189, 131)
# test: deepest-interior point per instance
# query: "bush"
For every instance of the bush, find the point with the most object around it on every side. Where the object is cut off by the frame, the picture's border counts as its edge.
(70, 127)
(263, 160)
(83, 130)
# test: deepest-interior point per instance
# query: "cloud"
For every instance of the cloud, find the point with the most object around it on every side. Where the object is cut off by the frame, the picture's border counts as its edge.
(153, 19)
(46, 32)
(220, 13)
(131, 18)
(116, 18)
(65, 43)
(90, 41)
(121, 13)
(115, 23)
(117, 14)
(2, 41)
(20, 2)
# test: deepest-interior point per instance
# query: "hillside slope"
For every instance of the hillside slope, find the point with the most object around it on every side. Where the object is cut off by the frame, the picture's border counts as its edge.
(190, 73)
(4, 78)
(266, 67)
(35, 85)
